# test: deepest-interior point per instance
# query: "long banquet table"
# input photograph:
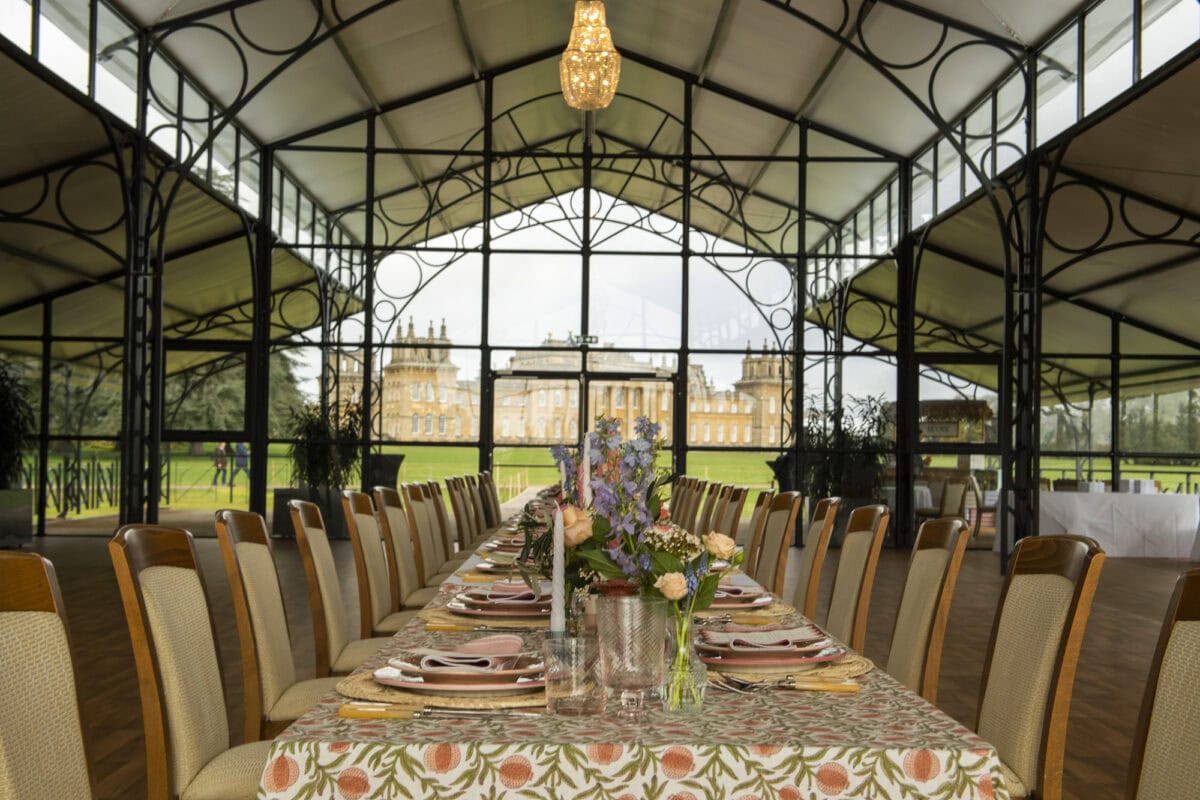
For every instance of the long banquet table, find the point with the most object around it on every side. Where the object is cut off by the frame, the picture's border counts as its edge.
(882, 742)
(1133, 525)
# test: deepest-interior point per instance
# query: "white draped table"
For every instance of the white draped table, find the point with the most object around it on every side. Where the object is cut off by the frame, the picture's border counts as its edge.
(1133, 525)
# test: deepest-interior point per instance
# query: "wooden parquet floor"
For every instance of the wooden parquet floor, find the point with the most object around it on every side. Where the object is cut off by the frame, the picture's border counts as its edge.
(1123, 630)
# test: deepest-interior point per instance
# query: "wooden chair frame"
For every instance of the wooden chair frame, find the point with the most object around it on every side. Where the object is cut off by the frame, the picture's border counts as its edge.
(306, 514)
(825, 510)
(949, 534)
(758, 521)
(874, 519)
(790, 502)
(711, 499)
(233, 528)
(732, 511)
(475, 500)
(1080, 560)
(464, 522)
(31, 584)
(433, 495)
(133, 549)
(387, 496)
(1184, 607)
(980, 507)
(414, 493)
(694, 499)
(491, 499)
(358, 503)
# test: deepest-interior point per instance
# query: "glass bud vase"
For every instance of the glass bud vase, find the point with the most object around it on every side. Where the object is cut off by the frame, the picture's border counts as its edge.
(632, 632)
(686, 675)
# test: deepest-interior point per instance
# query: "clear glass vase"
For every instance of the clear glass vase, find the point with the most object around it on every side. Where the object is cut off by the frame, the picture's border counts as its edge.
(632, 632)
(686, 675)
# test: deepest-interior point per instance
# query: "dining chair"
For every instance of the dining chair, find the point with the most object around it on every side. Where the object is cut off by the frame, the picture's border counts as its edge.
(981, 508)
(184, 717)
(688, 521)
(272, 696)
(731, 513)
(1029, 669)
(335, 652)
(754, 532)
(953, 502)
(1168, 732)
(425, 541)
(679, 497)
(718, 509)
(915, 656)
(855, 576)
(491, 499)
(376, 617)
(404, 580)
(476, 503)
(42, 755)
(464, 523)
(442, 526)
(704, 520)
(812, 557)
(777, 537)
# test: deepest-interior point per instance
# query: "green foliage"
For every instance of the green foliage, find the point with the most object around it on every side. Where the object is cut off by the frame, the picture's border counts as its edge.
(19, 426)
(843, 454)
(327, 445)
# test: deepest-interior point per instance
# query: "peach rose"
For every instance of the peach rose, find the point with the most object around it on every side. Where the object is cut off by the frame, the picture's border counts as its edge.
(720, 546)
(672, 585)
(577, 526)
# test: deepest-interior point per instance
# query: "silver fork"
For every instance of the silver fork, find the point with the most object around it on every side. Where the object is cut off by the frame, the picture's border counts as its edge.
(757, 686)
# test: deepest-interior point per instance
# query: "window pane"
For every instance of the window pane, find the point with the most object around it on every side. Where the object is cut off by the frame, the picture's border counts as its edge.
(635, 301)
(534, 299)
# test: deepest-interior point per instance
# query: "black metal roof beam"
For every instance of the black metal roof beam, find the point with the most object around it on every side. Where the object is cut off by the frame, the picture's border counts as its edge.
(47, 169)
(1116, 188)
(974, 263)
(965, 27)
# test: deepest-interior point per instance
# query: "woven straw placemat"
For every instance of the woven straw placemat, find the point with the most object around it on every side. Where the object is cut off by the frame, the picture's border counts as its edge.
(443, 617)
(362, 686)
(775, 610)
(851, 666)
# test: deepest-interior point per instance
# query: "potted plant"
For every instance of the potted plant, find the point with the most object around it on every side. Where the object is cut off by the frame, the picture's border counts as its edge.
(324, 453)
(17, 431)
(844, 454)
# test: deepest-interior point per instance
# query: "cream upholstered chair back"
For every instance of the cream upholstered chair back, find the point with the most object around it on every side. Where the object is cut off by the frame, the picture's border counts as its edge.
(1032, 654)
(370, 560)
(491, 498)
(916, 653)
(420, 524)
(443, 525)
(777, 537)
(476, 498)
(464, 523)
(954, 498)
(695, 497)
(330, 623)
(680, 492)
(812, 557)
(268, 668)
(731, 512)
(403, 574)
(1168, 738)
(718, 508)
(758, 519)
(704, 519)
(41, 741)
(175, 652)
(855, 576)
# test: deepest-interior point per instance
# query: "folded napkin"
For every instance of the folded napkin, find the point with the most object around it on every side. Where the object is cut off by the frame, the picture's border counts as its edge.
(784, 639)
(737, 591)
(508, 592)
(486, 654)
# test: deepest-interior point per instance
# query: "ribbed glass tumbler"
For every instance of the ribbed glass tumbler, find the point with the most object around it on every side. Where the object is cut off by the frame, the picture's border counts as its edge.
(632, 631)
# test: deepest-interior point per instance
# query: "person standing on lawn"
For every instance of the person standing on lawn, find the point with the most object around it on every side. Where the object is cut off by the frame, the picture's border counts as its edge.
(220, 473)
(241, 462)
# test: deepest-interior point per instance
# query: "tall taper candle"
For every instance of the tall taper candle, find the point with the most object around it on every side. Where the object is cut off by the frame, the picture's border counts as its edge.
(562, 475)
(585, 491)
(558, 617)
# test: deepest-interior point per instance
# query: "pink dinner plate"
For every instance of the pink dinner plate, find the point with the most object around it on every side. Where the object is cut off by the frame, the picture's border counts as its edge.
(743, 602)
(527, 667)
(774, 660)
(469, 611)
(390, 676)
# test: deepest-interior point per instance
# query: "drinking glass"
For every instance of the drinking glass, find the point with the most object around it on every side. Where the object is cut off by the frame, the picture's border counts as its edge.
(573, 684)
(632, 631)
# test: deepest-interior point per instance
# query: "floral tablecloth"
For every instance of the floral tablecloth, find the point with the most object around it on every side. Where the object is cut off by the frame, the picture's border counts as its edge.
(883, 742)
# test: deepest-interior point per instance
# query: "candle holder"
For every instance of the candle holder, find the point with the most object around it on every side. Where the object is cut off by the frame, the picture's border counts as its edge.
(632, 632)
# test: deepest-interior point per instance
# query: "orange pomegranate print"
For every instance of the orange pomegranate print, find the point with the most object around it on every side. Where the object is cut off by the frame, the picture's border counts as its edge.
(515, 771)
(339, 747)
(985, 788)
(441, 757)
(604, 753)
(352, 783)
(790, 793)
(921, 765)
(765, 750)
(832, 778)
(281, 773)
(677, 762)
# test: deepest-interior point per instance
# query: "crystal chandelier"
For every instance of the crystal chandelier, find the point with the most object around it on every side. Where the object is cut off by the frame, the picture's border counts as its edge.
(590, 66)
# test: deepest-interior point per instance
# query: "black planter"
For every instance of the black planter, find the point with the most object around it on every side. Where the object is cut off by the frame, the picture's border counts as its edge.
(382, 470)
(330, 503)
(16, 517)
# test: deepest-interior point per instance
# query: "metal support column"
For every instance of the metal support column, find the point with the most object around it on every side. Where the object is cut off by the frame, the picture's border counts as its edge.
(44, 421)
(259, 406)
(799, 308)
(366, 398)
(1026, 330)
(486, 434)
(907, 369)
(679, 400)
